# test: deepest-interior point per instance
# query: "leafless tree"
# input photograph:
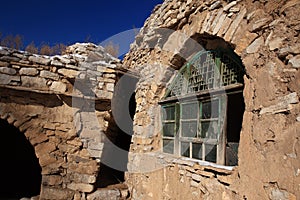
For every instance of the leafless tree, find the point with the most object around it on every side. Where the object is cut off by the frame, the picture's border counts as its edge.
(46, 50)
(8, 41)
(58, 49)
(112, 49)
(18, 40)
(31, 48)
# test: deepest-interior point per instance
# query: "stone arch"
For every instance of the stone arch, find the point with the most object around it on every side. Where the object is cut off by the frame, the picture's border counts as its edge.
(21, 169)
(178, 47)
(27, 116)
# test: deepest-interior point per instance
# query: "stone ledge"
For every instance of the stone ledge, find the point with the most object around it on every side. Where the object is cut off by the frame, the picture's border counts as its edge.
(27, 89)
(198, 165)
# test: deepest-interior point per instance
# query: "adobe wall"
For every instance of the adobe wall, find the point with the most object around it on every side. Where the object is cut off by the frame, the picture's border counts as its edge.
(265, 34)
(63, 106)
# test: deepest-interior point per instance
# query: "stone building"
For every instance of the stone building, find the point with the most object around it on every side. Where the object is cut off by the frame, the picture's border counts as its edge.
(190, 54)
(212, 87)
(57, 124)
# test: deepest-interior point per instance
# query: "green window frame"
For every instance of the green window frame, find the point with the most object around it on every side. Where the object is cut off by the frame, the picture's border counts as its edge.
(196, 127)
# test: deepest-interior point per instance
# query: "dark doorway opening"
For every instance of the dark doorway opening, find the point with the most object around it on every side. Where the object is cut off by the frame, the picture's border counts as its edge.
(235, 112)
(114, 158)
(20, 169)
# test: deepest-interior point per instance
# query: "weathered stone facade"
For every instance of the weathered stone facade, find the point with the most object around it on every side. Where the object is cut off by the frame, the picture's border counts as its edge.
(265, 35)
(63, 103)
(63, 106)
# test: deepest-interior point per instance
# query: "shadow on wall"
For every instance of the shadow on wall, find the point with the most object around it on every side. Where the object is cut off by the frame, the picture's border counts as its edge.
(115, 153)
(20, 169)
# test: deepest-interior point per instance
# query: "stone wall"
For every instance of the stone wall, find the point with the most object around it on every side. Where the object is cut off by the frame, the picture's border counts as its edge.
(265, 35)
(63, 106)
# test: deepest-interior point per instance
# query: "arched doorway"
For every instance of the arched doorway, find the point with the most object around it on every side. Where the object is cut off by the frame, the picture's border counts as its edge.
(20, 169)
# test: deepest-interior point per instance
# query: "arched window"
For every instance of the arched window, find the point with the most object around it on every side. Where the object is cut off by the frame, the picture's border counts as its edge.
(203, 108)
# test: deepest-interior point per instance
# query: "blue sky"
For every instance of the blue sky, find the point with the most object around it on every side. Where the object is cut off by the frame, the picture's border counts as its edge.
(67, 21)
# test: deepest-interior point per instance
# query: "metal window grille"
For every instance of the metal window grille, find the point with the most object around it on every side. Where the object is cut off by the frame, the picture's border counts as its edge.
(207, 70)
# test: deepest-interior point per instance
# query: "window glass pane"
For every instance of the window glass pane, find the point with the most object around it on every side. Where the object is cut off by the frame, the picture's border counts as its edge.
(185, 149)
(189, 111)
(189, 129)
(211, 153)
(169, 129)
(197, 151)
(169, 113)
(168, 146)
(209, 129)
(210, 109)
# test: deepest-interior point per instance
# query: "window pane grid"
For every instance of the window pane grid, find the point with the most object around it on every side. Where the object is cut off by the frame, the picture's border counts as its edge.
(199, 131)
(195, 129)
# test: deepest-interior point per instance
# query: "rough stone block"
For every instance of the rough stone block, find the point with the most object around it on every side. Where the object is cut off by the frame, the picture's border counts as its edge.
(243, 39)
(225, 179)
(4, 64)
(28, 71)
(63, 60)
(276, 43)
(233, 27)
(39, 60)
(51, 180)
(7, 70)
(68, 73)
(84, 168)
(260, 24)
(197, 177)
(82, 178)
(56, 194)
(34, 82)
(38, 139)
(44, 148)
(10, 59)
(256, 44)
(58, 87)
(194, 184)
(7, 79)
(76, 142)
(228, 6)
(295, 61)
(4, 51)
(82, 187)
(46, 159)
(224, 26)
(284, 104)
(110, 87)
(57, 63)
(104, 194)
(219, 24)
(50, 75)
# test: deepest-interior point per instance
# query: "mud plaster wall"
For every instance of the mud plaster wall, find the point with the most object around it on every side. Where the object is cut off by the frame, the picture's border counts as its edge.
(265, 34)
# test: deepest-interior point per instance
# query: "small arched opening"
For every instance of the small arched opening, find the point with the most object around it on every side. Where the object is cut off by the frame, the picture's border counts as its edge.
(21, 172)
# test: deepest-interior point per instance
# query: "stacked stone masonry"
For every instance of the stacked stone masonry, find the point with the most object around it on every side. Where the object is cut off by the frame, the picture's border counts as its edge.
(62, 105)
(265, 35)
(49, 100)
